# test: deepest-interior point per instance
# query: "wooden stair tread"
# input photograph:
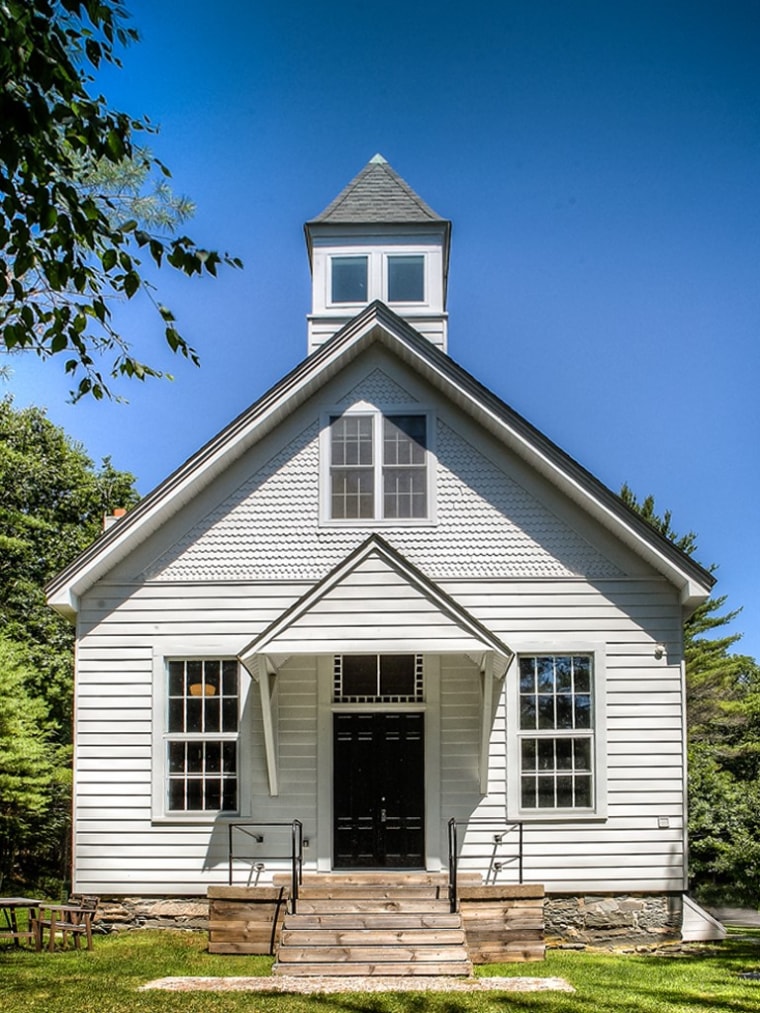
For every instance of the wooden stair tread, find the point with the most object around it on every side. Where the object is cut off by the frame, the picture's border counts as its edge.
(369, 905)
(374, 937)
(389, 970)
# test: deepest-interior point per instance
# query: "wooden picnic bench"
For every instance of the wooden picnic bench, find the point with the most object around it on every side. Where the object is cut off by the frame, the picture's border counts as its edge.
(73, 918)
(9, 927)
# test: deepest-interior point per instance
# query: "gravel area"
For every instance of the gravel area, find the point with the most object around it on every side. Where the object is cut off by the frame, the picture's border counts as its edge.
(313, 986)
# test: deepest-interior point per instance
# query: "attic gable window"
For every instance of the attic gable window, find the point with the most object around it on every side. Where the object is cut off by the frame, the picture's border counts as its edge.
(379, 467)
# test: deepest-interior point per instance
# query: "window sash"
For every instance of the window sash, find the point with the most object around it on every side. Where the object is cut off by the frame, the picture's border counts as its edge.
(379, 466)
(201, 739)
(556, 732)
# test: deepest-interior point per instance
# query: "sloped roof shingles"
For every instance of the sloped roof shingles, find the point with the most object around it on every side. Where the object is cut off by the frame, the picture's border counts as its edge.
(377, 194)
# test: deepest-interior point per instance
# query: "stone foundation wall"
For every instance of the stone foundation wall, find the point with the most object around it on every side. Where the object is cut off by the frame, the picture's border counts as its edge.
(122, 913)
(612, 920)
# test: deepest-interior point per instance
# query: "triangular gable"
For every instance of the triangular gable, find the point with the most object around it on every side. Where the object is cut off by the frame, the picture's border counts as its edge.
(376, 601)
(377, 323)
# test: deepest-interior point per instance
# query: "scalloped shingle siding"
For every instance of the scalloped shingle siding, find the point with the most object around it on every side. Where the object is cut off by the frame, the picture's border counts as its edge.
(377, 389)
(489, 526)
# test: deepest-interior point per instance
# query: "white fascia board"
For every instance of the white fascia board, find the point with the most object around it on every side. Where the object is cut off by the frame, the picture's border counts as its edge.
(199, 470)
(692, 591)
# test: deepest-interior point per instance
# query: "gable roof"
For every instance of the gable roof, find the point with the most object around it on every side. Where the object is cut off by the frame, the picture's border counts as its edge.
(377, 194)
(378, 324)
(410, 613)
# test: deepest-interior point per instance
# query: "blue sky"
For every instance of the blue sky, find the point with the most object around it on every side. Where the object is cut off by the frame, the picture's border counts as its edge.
(601, 165)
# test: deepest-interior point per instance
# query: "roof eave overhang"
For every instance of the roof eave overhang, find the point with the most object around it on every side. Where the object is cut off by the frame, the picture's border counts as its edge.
(377, 323)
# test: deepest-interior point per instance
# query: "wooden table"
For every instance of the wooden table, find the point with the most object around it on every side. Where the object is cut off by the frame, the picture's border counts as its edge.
(75, 919)
(9, 925)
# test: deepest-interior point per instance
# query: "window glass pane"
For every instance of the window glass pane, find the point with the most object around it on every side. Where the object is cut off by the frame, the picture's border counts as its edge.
(529, 754)
(211, 673)
(194, 722)
(546, 793)
(176, 715)
(177, 794)
(564, 711)
(406, 278)
(528, 712)
(564, 748)
(563, 668)
(229, 794)
(528, 793)
(351, 440)
(564, 792)
(582, 672)
(194, 757)
(230, 678)
(583, 795)
(397, 674)
(213, 799)
(194, 794)
(545, 672)
(212, 716)
(229, 757)
(582, 753)
(546, 712)
(583, 711)
(194, 672)
(527, 675)
(404, 492)
(404, 439)
(229, 714)
(213, 757)
(545, 754)
(360, 675)
(176, 678)
(349, 279)
(353, 494)
(176, 757)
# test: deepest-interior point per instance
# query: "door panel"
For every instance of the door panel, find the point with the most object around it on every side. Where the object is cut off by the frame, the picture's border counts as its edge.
(379, 790)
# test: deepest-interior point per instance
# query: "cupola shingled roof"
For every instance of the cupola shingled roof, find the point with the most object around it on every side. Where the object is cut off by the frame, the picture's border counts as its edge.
(377, 194)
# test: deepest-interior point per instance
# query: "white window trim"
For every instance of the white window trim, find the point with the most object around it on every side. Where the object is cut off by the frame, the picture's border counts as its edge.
(377, 275)
(377, 413)
(160, 736)
(514, 734)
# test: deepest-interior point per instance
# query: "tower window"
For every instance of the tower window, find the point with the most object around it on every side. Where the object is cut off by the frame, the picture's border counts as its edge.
(406, 279)
(349, 279)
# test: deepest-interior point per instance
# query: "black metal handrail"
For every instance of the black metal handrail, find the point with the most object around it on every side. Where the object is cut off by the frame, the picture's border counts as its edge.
(296, 850)
(499, 827)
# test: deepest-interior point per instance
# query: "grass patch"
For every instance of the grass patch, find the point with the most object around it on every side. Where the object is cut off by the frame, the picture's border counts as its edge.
(105, 980)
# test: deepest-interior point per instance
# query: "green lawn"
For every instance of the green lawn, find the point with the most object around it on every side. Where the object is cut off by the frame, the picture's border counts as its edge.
(106, 981)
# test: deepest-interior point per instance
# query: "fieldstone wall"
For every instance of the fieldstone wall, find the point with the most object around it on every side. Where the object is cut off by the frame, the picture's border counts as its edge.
(118, 915)
(612, 920)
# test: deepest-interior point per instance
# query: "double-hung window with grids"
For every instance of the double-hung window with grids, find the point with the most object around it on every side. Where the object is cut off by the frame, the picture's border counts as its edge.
(202, 735)
(556, 732)
(379, 466)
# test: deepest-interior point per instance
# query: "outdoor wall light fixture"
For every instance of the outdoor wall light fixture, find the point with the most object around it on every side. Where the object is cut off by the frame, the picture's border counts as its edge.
(659, 651)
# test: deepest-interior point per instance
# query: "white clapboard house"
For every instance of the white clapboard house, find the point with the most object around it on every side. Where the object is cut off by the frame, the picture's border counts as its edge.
(377, 602)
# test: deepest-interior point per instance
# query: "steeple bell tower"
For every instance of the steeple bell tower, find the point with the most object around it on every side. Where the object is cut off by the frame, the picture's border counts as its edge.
(378, 240)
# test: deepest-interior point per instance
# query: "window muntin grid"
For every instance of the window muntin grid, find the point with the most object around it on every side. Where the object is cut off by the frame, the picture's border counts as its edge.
(556, 696)
(202, 735)
(379, 466)
(378, 678)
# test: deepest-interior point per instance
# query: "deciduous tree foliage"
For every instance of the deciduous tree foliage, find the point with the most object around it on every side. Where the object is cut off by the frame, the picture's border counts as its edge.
(723, 714)
(52, 502)
(65, 248)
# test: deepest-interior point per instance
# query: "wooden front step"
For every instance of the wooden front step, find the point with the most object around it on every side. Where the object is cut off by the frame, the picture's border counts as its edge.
(351, 929)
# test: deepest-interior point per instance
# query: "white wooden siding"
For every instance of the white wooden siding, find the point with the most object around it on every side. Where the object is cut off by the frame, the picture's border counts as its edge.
(119, 848)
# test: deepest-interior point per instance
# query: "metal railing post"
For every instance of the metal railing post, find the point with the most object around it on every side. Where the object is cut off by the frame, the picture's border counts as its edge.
(453, 849)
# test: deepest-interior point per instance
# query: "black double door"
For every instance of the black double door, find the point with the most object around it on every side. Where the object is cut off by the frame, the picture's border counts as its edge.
(379, 791)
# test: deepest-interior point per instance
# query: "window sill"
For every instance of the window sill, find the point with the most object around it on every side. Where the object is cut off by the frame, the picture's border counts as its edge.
(196, 819)
(557, 816)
